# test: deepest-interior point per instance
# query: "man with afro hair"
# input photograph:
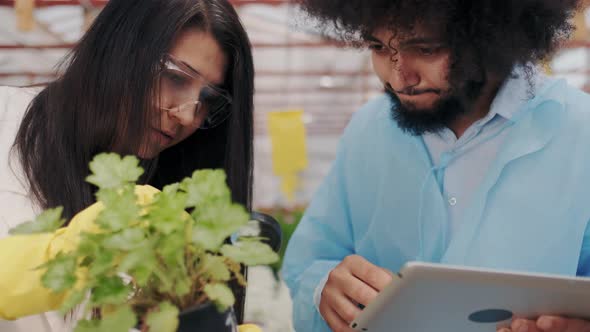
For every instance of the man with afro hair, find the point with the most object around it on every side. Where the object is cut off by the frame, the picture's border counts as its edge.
(472, 156)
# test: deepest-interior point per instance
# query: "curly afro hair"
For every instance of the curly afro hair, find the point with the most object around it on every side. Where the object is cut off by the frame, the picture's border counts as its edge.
(483, 36)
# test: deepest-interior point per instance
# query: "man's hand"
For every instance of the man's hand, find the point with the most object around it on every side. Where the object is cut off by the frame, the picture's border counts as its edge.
(548, 324)
(354, 281)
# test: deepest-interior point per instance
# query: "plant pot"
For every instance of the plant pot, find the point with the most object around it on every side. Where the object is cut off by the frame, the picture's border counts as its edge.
(206, 318)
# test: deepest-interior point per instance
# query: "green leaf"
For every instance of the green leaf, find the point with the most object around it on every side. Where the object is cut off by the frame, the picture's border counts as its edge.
(167, 212)
(89, 244)
(127, 239)
(139, 264)
(60, 274)
(172, 248)
(250, 253)
(121, 209)
(183, 286)
(221, 295)
(110, 290)
(102, 263)
(139, 257)
(75, 298)
(120, 320)
(215, 222)
(164, 283)
(214, 267)
(48, 221)
(163, 320)
(206, 186)
(109, 170)
(142, 275)
(171, 188)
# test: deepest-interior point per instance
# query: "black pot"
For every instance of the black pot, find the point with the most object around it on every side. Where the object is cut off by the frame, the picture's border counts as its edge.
(206, 318)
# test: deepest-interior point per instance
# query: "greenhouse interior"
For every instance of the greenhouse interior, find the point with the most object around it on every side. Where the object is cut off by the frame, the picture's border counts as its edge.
(308, 85)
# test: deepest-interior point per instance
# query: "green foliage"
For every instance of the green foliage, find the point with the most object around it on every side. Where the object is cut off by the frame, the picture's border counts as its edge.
(110, 171)
(221, 295)
(60, 273)
(119, 321)
(148, 262)
(214, 268)
(250, 252)
(217, 221)
(165, 319)
(288, 219)
(48, 221)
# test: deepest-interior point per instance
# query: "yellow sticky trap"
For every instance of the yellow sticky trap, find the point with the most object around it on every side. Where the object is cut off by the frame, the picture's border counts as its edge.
(289, 185)
(289, 154)
(24, 14)
(287, 133)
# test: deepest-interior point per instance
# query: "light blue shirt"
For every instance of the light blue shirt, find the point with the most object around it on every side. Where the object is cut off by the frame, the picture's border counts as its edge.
(382, 198)
(461, 164)
(470, 156)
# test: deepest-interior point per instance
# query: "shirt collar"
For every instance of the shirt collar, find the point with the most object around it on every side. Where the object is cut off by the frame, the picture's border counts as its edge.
(516, 91)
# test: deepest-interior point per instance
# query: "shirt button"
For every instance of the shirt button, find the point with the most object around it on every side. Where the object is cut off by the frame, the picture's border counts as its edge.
(453, 201)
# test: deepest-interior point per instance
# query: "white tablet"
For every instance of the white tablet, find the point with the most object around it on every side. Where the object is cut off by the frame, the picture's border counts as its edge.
(442, 298)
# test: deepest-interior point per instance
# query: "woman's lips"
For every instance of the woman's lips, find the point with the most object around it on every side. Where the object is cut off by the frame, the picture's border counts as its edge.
(163, 137)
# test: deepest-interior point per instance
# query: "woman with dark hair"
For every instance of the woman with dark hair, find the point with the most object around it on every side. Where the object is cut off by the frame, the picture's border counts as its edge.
(170, 81)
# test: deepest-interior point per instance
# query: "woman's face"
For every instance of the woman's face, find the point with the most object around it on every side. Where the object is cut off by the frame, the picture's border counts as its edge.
(196, 59)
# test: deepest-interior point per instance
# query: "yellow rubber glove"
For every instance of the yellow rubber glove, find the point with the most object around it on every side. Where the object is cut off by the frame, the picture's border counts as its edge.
(249, 328)
(21, 291)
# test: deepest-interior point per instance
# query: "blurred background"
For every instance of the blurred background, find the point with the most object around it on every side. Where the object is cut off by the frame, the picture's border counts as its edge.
(307, 88)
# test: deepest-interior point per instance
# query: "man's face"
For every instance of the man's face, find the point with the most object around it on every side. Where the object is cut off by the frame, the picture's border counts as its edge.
(415, 70)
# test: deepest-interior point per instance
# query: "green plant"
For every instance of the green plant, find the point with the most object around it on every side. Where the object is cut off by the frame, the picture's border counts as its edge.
(288, 219)
(146, 263)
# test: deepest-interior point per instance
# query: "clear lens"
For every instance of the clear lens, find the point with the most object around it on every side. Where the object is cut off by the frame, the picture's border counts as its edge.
(217, 105)
(186, 92)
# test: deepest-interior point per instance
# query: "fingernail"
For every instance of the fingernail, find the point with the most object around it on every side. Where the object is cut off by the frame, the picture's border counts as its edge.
(545, 323)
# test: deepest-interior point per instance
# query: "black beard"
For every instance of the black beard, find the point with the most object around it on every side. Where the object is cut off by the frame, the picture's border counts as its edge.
(444, 112)
(416, 121)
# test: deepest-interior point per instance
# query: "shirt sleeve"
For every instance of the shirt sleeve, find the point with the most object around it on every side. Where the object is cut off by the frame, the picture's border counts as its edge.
(320, 242)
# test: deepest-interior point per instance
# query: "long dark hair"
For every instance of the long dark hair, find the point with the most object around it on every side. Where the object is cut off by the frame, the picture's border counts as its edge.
(103, 99)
